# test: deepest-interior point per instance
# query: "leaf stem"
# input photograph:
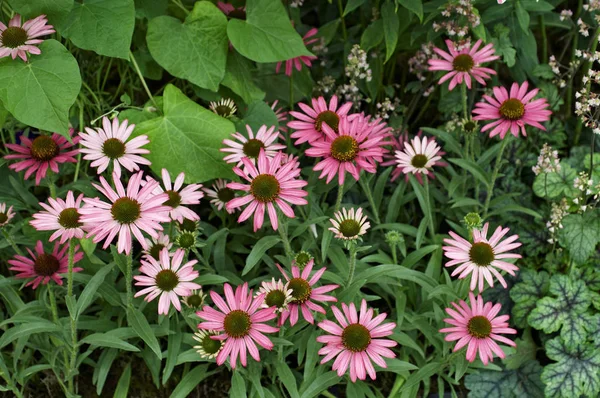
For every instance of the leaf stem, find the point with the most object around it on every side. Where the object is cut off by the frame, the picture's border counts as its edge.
(338, 201)
(490, 191)
(139, 73)
(129, 280)
(367, 190)
(73, 361)
(429, 207)
(351, 263)
(283, 232)
(341, 9)
(12, 243)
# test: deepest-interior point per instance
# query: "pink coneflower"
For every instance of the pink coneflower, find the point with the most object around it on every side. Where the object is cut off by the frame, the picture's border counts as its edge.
(250, 147)
(419, 156)
(482, 257)
(512, 111)
(351, 148)
(241, 322)
(5, 216)
(282, 118)
(166, 278)
(397, 144)
(155, 245)
(19, 40)
(220, 195)
(109, 143)
(60, 216)
(276, 294)
(270, 183)
(178, 197)
(225, 107)
(357, 341)
(479, 327)
(304, 292)
(127, 213)
(303, 59)
(349, 225)
(464, 64)
(44, 266)
(42, 153)
(309, 126)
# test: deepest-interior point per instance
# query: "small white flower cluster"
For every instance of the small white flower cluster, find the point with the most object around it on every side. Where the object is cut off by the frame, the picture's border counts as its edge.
(325, 85)
(593, 5)
(320, 47)
(296, 3)
(566, 14)
(350, 92)
(584, 183)
(584, 28)
(547, 162)
(563, 73)
(417, 65)
(461, 17)
(357, 66)
(387, 107)
(588, 101)
(558, 212)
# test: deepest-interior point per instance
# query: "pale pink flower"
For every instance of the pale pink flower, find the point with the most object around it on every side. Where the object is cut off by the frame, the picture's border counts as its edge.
(357, 341)
(42, 153)
(479, 327)
(270, 183)
(220, 195)
(44, 266)
(464, 63)
(167, 278)
(276, 294)
(109, 143)
(349, 225)
(397, 144)
(309, 126)
(418, 156)
(251, 146)
(127, 213)
(5, 216)
(155, 245)
(482, 257)
(304, 293)
(62, 217)
(190, 195)
(512, 111)
(282, 118)
(240, 322)
(18, 40)
(303, 59)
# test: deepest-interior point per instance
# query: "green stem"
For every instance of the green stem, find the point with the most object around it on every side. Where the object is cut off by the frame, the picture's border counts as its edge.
(592, 150)
(490, 191)
(139, 72)
(129, 280)
(341, 9)
(394, 254)
(284, 238)
(292, 91)
(73, 361)
(338, 201)
(53, 306)
(12, 243)
(52, 188)
(463, 92)
(351, 263)
(81, 128)
(367, 190)
(428, 204)
(178, 4)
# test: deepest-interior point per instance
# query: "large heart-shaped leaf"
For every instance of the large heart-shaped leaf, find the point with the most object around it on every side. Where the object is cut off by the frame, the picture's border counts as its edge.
(195, 50)
(103, 26)
(532, 287)
(267, 34)
(187, 138)
(56, 10)
(40, 92)
(510, 383)
(580, 235)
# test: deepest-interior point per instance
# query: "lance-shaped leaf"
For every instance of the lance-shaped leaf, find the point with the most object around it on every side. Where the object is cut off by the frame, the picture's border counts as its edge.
(580, 235)
(522, 382)
(525, 294)
(576, 372)
(567, 311)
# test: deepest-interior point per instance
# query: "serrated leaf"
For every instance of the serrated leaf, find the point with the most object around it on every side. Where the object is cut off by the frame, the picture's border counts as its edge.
(552, 185)
(519, 383)
(258, 250)
(580, 235)
(525, 294)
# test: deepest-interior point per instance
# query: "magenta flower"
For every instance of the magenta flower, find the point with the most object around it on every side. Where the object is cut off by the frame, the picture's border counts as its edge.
(167, 278)
(479, 327)
(270, 183)
(241, 322)
(19, 40)
(464, 64)
(44, 266)
(251, 146)
(304, 292)
(397, 144)
(512, 111)
(220, 195)
(42, 153)
(127, 213)
(5, 216)
(309, 126)
(303, 59)
(178, 197)
(482, 257)
(62, 217)
(357, 341)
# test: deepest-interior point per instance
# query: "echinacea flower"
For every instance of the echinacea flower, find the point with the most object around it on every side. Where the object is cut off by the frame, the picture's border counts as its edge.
(479, 327)
(270, 183)
(397, 144)
(224, 107)
(186, 239)
(512, 111)
(351, 148)
(301, 259)
(419, 156)
(240, 322)
(61, 216)
(357, 341)
(42, 153)
(208, 348)
(155, 245)
(42, 266)
(349, 224)
(109, 144)
(276, 295)
(127, 213)
(167, 278)
(220, 195)
(464, 64)
(195, 299)
(18, 40)
(251, 146)
(5, 216)
(482, 257)
(178, 197)
(303, 59)
(282, 118)
(309, 123)
(304, 293)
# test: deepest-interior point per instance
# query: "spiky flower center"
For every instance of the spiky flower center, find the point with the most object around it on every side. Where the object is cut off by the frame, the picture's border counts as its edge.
(210, 346)
(46, 265)
(155, 250)
(419, 161)
(44, 148)
(356, 337)
(174, 199)
(265, 188)
(301, 290)
(344, 148)
(463, 63)
(275, 298)
(126, 210)
(469, 126)
(186, 240)
(188, 225)
(473, 220)
(237, 323)
(3, 218)
(252, 148)
(195, 300)
(328, 117)
(302, 259)
(481, 253)
(225, 194)
(480, 327)
(223, 110)
(349, 228)
(69, 218)
(166, 280)
(14, 36)
(512, 109)
(113, 148)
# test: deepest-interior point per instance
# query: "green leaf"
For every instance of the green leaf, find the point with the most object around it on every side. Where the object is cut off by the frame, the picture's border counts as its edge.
(267, 34)
(503, 45)
(257, 115)
(142, 328)
(312, 388)
(238, 78)
(472, 168)
(40, 92)
(123, 385)
(287, 378)
(397, 366)
(102, 26)
(525, 294)
(150, 8)
(424, 373)
(238, 386)
(173, 348)
(187, 138)
(536, 5)
(518, 383)
(108, 340)
(522, 17)
(190, 381)
(27, 329)
(259, 250)
(352, 5)
(580, 235)
(415, 6)
(195, 50)
(553, 185)
(372, 36)
(391, 28)
(56, 10)
(92, 286)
